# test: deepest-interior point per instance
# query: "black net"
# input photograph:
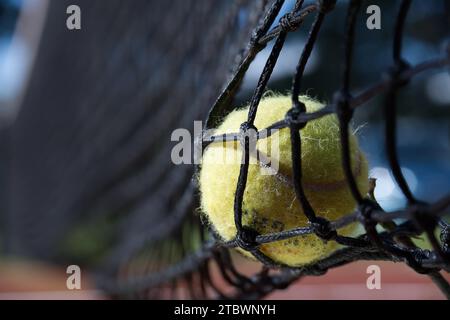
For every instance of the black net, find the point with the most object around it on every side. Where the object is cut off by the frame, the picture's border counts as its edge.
(195, 264)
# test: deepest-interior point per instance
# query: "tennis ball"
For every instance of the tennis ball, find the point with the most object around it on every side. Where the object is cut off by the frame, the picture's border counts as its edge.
(269, 203)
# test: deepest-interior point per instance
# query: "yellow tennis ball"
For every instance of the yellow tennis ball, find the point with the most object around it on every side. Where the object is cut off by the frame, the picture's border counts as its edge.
(270, 204)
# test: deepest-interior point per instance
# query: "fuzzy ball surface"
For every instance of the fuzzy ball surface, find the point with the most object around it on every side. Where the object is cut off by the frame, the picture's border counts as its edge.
(270, 204)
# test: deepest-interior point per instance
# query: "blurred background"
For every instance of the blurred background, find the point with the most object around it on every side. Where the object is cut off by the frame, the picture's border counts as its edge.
(86, 118)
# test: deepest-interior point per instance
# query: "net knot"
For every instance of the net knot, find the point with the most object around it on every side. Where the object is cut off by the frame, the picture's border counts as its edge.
(246, 239)
(342, 106)
(248, 130)
(326, 6)
(394, 73)
(292, 117)
(365, 210)
(322, 228)
(285, 23)
(255, 45)
(417, 258)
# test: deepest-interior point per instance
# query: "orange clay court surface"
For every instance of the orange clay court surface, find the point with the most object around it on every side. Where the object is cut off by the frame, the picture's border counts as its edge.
(37, 281)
